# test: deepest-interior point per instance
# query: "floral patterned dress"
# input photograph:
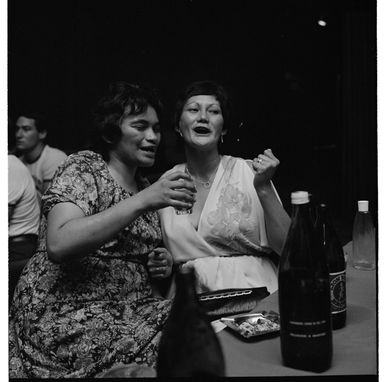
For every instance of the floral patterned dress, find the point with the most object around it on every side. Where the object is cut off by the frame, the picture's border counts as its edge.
(79, 319)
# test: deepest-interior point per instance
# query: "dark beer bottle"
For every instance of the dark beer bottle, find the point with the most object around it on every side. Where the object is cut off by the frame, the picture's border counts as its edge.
(304, 294)
(334, 254)
(189, 346)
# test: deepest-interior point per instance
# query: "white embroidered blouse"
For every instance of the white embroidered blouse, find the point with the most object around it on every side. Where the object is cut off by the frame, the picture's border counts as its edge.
(229, 248)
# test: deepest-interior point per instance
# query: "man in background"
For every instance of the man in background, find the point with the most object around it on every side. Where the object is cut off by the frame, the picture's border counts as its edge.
(40, 159)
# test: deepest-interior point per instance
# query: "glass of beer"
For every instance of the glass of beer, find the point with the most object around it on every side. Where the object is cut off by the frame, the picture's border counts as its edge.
(184, 211)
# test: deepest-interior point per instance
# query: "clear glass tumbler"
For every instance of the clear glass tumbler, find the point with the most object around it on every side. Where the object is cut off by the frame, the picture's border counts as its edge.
(184, 211)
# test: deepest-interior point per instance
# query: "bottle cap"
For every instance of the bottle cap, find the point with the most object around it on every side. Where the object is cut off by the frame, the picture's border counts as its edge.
(299, 197)
(363, 205)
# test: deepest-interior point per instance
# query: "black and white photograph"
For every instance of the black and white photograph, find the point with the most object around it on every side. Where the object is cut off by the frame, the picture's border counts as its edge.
(192, 189)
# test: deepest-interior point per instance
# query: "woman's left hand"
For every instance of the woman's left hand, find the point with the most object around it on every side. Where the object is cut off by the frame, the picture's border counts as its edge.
(265, 166)
(159, 263)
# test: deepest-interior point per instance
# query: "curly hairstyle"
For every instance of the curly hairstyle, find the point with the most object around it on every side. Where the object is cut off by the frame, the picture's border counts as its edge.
(121, 100)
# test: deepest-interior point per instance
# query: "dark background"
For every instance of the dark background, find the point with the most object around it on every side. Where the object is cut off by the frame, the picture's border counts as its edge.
(304, 90)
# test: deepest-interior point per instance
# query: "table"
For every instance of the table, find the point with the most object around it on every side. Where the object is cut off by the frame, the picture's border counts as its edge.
(354, 346)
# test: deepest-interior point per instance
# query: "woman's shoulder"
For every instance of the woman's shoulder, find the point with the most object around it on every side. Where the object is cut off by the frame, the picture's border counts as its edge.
(85, 161)
(238, 161)
(85, 157)
(177, 167)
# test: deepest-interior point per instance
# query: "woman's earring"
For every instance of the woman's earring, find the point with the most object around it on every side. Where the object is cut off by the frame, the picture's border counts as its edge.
(179, 132)
(222, 138)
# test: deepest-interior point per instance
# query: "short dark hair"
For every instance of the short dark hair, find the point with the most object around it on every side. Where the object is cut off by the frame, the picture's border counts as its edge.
(122, 99)
(40, 118)
(205, 87)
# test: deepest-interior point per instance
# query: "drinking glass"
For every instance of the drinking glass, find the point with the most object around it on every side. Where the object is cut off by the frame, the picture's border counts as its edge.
(184, 211)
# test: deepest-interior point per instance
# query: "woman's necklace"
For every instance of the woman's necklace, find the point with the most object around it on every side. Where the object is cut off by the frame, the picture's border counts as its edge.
(206, 184)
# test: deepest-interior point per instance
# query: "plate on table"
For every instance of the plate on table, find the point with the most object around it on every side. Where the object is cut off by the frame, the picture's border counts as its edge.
(253, 324)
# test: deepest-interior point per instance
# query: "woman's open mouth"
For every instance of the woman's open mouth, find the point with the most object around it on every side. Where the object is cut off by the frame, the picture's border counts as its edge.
(202, 130)
(149, 149)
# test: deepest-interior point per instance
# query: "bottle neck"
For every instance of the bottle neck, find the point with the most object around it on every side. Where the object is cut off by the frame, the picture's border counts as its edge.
(303, 222)
(325, 229)
(322, 223)
(303, 211)
(185, 286)
(322, 215)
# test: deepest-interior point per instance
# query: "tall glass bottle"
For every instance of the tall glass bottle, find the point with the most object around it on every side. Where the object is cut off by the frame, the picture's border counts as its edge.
(364, 238)
(304, 294)
(334, 255)
(189, 346)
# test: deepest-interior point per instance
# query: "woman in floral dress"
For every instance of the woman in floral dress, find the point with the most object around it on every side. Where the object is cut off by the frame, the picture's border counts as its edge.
(84, 301)
(237, 219)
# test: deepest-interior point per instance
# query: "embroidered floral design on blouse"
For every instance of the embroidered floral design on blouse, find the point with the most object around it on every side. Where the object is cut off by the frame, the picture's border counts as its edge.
(231, 216)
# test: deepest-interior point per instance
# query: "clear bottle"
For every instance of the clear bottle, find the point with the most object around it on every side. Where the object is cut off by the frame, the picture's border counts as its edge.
(189, 346)
(334, 255)
(364, 238)
(304, 294)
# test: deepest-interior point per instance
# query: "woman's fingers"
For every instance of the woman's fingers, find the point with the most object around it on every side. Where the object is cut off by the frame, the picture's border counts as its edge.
(269, 153)
(180, 198)
(168, 191)
(182, 195)
(157, 268)
(158, 256)
(179, 205)
(183, 184)
(260, 164)
(158, 271)
(178, 174)
(162, 253)
(266, 164)
(180, 180)
(266, 159)
(160, 263)
(157, 263)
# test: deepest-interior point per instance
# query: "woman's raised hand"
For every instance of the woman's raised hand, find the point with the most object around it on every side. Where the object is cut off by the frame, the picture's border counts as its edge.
(159, 263)
(176, 189)
(265, 166)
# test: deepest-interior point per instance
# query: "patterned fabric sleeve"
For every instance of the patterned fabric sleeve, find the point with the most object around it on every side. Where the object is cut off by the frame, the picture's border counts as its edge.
(74, 182)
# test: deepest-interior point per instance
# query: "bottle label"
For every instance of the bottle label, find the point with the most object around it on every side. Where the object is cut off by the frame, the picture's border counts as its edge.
(308, 329)
(338, 291)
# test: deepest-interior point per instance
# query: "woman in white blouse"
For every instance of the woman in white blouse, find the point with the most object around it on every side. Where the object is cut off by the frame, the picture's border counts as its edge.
(237, 219)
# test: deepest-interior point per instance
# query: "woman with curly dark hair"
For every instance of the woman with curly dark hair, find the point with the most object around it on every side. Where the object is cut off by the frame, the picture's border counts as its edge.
(84, 301)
